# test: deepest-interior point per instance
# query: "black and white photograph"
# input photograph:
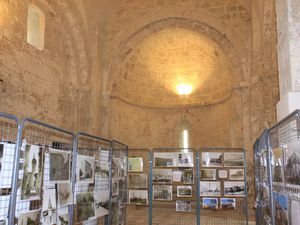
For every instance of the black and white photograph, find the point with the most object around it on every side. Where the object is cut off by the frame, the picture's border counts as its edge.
(101, 203)
(208, 174)
(294, 209)
(32, 172)
(60, 162)
(183, 206)
(162, 192)
(184, 191)
(30, 218)
(135, 164)
(212, 159)
(277, 165)
(2, 222)
(292, 168)
(165, 159)
(177, 175)
(7, 152)
(97, 166)
(63, 216)
(281, 204)
(186, 159)
(115, 186)
(210, 188)
(223, 174)
(85, 169)
(104, 170)
(49, 206)
(4, 200)
(85, 206)
(210, 203)
(234, 188)
(236, 174)
(163, 176)
(122, 189)
(136, 181)
(234, 159)
(64, 194)
(138, 197)
(188, 176)
(227, 203)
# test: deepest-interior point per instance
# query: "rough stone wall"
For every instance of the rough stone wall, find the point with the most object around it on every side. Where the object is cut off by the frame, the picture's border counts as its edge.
(58, 85)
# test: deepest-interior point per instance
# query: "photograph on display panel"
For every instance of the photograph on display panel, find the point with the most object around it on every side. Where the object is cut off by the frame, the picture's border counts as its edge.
(277, 165)
(85, 206)
(162, 192)
(294, 211)
(49, 206)
(62, 216)
(210, 203)
(64, 194)
(234, 188)
(136, 181)
(32, 172)
(184, 191)
(280, 203)
(183, 206)
(188, 176)
(101, 203)
(85, 169)
(60, 162)
(163, 176)
(138, 197)
(210, 188)
(104, 170)
(30, 218)
(7, 152)
(227, 203)
(173, 159)
(208, 174)
(135, 164)
(186, 159)
(292, 167)
(212, 159)
(236, 174)
(234, 159)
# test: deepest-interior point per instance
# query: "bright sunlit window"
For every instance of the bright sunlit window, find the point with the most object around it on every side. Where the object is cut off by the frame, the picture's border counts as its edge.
(184, 89)
(185, 140)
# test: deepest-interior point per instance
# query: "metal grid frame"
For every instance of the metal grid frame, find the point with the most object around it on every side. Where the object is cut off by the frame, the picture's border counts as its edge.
(100, 149)
(139, 214)
(222, 216)
(9, 135)
(42, 137)
(164, 212)
(119, 200)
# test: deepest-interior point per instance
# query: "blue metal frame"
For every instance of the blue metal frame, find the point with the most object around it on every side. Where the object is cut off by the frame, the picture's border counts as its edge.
(198, 187)
(150, 186)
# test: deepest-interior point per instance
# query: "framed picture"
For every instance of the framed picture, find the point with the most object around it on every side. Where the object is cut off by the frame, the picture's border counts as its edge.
(212, 159)
(234, 188)
(236, 174)
(85, 169)
(64, 194)
(292, 168)
(60, 162)
(165, 159)
(208, 174)
(33, 175)
(135, 164)
(188, 176)
(183, 206)
(136, 181)
(294, 209)
(210, 188)
(227, 203)
(162, 192)
(210, 203)
(31, 217)
(101, 199)
(138, 197)
(184, 191)
(281, 204)
(163, 176)
(85, 206)
(234, 159)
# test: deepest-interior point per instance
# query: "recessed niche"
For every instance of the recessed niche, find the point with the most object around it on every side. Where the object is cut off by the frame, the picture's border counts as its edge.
(35, 27)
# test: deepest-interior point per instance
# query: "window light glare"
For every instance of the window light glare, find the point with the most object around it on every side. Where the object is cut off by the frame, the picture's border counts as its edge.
(184, 89)
(185, 140)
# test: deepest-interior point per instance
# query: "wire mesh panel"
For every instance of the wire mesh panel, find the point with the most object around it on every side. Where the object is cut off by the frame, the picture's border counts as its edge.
(174, 187)
(138, 186)
(92, 188)
(119, 183)
(285, 169)
(8, 140)
(44, 175)
(223, 191)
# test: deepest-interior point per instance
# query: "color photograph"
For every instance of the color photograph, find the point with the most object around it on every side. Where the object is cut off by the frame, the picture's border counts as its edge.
(188, 176)
(136, 181)
(165, 159)
(210, 203)
(85, 206)
(32, 176)
(294, 209)
(30, 218)
(64, 194)
(162, 192)
(163, 176)
(210, 188)
(234, 159)
(212, 159)
(236, 174)
(292, 168)
(101, 199)
(227, 203)
(135, 164)
(183, 206)
(138, 197)
(60, 162)
(234, 188)
(184, 191)
(208, 174)
(85, 169)
(281, 202)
